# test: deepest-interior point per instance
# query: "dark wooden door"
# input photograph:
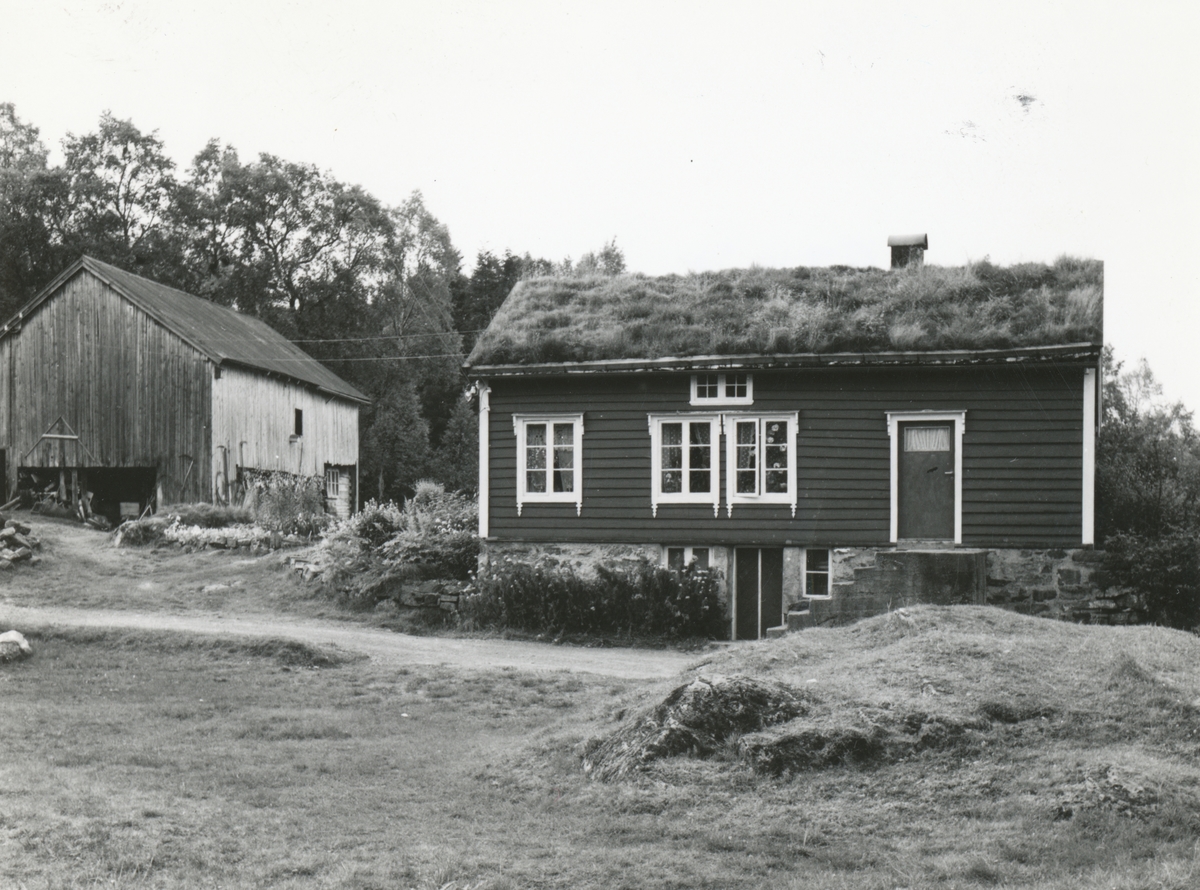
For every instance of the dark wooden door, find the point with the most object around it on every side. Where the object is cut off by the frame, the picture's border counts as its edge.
(758, 590)
(926, 483)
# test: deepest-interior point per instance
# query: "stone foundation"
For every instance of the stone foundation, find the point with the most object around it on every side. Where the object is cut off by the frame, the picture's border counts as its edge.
(1066, 584)
(581, 558)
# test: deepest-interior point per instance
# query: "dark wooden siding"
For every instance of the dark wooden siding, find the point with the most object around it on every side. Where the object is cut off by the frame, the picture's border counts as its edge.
(1022, 457)
(136, 394)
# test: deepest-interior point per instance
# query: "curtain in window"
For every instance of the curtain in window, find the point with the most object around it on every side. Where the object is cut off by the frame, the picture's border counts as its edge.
(927, 438)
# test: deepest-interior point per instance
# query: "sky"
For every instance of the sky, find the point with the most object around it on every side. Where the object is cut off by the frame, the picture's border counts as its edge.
(697, 135)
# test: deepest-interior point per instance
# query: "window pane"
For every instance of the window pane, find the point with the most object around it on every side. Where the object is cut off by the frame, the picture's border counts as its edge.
(535, 457)
(675, 558)
(700, 557)
(700, 457)
(775, 437)
(747, 457)
(817, 560)
(927, 438)
(564, 457)
(672, 458)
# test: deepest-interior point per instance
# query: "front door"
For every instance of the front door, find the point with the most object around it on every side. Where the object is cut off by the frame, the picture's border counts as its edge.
(757, 591)
(926, 481)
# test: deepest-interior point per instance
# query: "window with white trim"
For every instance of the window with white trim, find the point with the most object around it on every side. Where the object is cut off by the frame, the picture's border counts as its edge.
(549, 459)
(679, 558)
(817, 574)
(722, 389)
(761, 456)
(684, 460)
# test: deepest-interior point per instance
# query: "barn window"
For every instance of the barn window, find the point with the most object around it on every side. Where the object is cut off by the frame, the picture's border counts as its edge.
(549, 459)
(683, 458)
(299, 422)
(333, 483)
(722, 389)
(761, 456)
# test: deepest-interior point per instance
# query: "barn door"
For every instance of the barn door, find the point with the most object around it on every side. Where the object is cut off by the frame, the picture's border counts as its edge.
(926, 483)
(758, 591)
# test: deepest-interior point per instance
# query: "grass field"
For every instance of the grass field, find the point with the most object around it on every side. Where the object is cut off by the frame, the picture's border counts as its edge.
(157, 760)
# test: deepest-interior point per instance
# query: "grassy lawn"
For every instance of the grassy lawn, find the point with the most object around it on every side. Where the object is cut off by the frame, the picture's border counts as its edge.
(161, 760)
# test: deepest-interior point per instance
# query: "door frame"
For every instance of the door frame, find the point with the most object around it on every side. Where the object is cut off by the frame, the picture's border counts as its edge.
(894, 419)
(758, 597)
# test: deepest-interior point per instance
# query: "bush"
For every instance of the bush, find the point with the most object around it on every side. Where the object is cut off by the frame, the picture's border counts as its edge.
(375, 553)
(645, 601)
(1164, 570)
(291, 505)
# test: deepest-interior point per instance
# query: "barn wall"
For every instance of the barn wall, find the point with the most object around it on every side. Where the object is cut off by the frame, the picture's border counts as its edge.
(254, 421)
(136, 394)
(1022, 457)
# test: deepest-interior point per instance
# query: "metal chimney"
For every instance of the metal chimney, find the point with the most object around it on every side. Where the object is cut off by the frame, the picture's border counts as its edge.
(908, 250)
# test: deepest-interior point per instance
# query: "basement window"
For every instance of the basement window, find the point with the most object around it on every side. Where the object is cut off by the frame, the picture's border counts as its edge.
(817, 583)
(299, 422)
(680, 557)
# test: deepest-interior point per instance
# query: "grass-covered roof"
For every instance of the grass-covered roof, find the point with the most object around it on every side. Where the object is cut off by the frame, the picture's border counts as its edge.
(796, 311)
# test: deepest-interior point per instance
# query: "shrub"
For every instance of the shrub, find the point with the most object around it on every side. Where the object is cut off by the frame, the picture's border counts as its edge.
(647, 600)
(291, 505)
(375, 553)
(1164, 570)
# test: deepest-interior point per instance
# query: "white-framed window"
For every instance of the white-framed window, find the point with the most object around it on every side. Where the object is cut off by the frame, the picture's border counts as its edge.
(817, 572)
(684, 460)
(333, 483)
(549, 459)
(722, 389)
(760, 459)
(678, 558)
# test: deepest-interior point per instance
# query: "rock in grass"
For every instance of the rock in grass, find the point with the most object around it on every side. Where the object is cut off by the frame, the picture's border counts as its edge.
(5, 564)
(22, 528)
(14, 646)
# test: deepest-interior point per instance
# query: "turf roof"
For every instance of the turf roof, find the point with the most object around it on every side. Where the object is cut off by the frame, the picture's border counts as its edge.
(796, 311)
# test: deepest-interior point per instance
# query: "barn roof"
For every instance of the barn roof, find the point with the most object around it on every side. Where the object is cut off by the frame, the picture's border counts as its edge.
(226, 337)
(801, 313)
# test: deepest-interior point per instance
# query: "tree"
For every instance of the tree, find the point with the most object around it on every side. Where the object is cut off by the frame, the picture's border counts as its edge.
(29, 194)
(395, 447)
(120, 186)
(456, 459)
(1148, 457)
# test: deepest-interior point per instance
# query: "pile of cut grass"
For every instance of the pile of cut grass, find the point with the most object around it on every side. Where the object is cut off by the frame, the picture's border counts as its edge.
(796, 311)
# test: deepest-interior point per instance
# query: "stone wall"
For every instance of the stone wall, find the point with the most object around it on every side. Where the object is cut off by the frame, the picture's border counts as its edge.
(1066, 584)
(582, 558)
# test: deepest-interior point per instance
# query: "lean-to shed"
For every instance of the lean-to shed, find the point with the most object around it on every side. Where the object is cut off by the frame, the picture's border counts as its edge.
(140, 393)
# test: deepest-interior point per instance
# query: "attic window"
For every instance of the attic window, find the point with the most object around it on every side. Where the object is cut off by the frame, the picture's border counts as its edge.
(299, 422)
(722, 389)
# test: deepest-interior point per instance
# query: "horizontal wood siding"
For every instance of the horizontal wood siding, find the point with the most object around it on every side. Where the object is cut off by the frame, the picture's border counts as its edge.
(136, 394)
(1022, 457)
(254, 420)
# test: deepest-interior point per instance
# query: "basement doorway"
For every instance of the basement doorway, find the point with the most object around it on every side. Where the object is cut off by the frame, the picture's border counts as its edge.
(111, 492)
(757, 591)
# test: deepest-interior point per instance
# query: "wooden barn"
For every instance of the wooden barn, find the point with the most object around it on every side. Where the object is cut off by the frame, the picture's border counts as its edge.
(836, 441)
(131, 394)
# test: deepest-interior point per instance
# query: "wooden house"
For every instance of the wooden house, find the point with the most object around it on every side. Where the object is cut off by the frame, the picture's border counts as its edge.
(836, 441)
(142, 394)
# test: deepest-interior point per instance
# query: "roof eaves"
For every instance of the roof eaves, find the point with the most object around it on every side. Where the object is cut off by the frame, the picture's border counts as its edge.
(1064, 352)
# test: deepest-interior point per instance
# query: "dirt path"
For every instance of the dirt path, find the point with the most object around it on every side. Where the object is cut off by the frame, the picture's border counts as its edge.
(82, 580)
(383, 647)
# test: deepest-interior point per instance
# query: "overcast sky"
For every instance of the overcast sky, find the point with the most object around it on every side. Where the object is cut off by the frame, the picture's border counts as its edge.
(699, 135)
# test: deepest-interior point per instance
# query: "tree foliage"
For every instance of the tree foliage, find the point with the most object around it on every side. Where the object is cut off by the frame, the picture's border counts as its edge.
(1148, 494)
